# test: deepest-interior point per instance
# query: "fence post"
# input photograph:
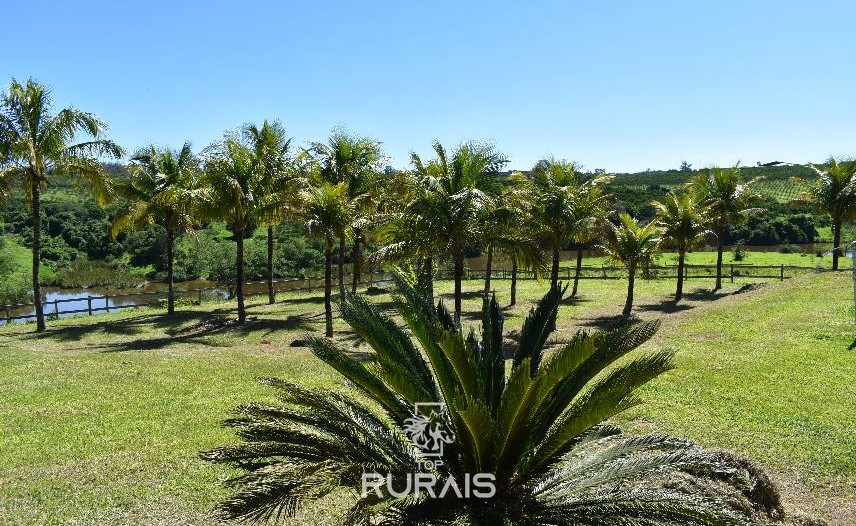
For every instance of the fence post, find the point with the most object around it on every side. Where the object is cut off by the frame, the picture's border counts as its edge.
(782, 273)
(200, 296)
(732, 273)
(56, 308)
(309, 284)
(89, 304)
(107, 303)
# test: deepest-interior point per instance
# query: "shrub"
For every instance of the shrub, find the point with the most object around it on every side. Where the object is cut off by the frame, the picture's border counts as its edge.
(82, 273)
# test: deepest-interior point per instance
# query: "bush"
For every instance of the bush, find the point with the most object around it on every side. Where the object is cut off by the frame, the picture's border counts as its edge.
(82, 273)
(14, 289)
(739, 253)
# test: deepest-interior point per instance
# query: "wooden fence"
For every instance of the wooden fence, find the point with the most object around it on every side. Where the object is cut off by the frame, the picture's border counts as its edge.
(102, 303)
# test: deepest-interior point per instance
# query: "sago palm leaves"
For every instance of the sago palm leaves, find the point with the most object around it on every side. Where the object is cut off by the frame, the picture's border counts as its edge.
(632, 245)
(538, 430)
(163, 189)
(729, 198)
(684, 223)
(833, 192)
(36, 144)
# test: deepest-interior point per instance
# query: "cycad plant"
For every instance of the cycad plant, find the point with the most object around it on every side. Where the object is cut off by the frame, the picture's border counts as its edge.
(538, 430)
(833, 192)
(632, 245)
(38, 145)
(162, 189)
(684, 223)
(730, 200)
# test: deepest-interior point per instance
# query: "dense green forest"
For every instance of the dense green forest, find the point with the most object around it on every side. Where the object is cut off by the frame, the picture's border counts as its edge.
(79, 251)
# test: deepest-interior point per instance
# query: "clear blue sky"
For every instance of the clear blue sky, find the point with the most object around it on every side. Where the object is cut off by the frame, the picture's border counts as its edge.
(615, 85)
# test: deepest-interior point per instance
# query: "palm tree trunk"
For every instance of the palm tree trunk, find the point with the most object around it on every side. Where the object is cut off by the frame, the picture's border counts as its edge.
(328, 286)
(719, 235)
(341, 266)
(271, 291)
(513, 282)
(170, 255)
(628, 305)
(554, 272)
(459, 276)
(836, 243)
(37, 250)
(679, 293)
(428, 272)
(355, 257)
(579, 269)
(487, 270)
(239, 278)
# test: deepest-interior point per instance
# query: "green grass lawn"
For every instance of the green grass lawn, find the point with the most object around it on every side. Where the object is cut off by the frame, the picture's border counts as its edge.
(767, 258)
(101, 418)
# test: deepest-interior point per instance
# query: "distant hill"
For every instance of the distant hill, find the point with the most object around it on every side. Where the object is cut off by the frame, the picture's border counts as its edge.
(775, 180)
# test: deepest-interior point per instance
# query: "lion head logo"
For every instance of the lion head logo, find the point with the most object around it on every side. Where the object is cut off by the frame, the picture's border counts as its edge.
(429, 428)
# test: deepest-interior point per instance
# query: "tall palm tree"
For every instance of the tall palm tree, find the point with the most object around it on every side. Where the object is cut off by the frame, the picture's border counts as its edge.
(540, 431)
(833, 192)
(233, 192)
(568, 206)
(512, 233)
(271, 145)
(632, 245)
(684, 223)
(162, 189)
(353, 161)
(328, 213)
(729, 198)
(39, 145)
(454, 193)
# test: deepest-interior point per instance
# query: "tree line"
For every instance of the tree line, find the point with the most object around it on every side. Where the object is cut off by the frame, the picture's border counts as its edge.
(428, 217)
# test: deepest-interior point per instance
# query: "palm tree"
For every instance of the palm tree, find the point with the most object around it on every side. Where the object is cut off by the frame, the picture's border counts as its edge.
(632, 245)
(729, 200)
(453, 196)
(353, 161)
(539, 431)
(684, 224)
(567, 206)
(512, 233)
(162, 190)
(38, 145)
(233, 192)
(834, 192)
(273, 163)
(328, 213)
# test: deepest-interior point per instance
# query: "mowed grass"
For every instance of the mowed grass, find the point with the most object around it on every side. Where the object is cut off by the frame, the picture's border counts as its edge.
(101, 418)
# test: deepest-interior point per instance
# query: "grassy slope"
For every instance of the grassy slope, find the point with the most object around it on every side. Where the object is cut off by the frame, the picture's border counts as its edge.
(102, 417)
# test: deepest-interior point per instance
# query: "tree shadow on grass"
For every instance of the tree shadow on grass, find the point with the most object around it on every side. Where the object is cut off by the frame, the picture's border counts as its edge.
(131, 326)
(221, 326)
(666, 307)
